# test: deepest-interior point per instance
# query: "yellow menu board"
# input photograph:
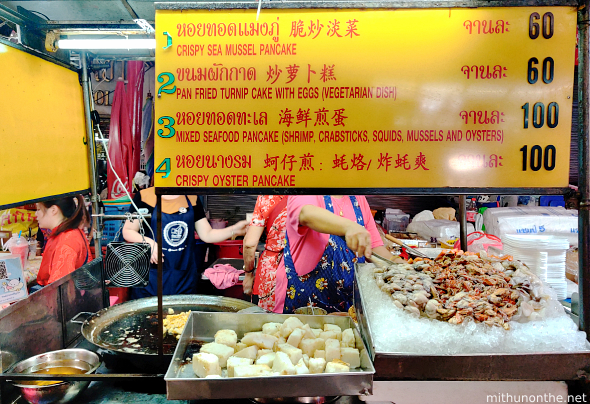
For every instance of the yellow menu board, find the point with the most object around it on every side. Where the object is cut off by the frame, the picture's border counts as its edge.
(364, 98)
(42, 135)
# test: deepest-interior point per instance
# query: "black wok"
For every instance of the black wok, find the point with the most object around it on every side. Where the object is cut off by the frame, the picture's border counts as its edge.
(129, 329)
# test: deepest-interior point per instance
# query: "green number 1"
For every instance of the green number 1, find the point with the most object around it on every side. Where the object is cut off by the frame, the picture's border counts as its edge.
(168, 40)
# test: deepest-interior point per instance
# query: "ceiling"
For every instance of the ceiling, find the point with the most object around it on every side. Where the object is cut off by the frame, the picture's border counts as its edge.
(62, 16)
(126, 10)
(88, 10)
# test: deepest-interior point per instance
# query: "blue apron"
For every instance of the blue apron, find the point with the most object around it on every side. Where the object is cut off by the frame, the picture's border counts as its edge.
(330, 284)
(178, 245)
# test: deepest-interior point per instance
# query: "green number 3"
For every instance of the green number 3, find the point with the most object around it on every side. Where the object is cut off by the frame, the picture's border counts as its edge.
(170, 127)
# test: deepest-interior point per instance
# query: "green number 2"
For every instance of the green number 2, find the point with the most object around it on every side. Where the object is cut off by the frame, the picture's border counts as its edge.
(166, 169)
(170, 127)
(161, 79)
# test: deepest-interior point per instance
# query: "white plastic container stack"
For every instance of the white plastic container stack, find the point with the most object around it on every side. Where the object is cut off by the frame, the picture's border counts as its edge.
(533, 220)
(544, 255)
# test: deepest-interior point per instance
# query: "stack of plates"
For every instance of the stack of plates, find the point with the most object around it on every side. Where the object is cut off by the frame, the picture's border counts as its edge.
(544, 255)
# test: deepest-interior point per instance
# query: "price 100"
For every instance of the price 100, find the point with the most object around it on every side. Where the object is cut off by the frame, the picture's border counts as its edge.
(539, 115)
(538, 157)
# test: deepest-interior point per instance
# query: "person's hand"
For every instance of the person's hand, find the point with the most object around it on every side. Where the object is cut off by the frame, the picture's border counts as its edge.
(358, 239)
(240, 228)
(248, 283)
(154, 257)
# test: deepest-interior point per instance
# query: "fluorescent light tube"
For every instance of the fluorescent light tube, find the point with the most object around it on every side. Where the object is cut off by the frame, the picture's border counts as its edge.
(106, 44)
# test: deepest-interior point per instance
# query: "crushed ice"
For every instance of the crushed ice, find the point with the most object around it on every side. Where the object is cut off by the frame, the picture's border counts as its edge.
(394, 330)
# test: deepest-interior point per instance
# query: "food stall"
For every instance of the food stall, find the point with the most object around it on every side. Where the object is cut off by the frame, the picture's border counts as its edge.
(372, 107)
(419, 98)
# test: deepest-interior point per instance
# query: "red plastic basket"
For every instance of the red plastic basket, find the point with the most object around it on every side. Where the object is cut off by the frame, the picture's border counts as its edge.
(229, 249)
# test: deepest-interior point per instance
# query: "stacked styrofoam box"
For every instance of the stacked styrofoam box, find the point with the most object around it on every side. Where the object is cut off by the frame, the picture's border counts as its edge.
(533, 220)
(544, 255)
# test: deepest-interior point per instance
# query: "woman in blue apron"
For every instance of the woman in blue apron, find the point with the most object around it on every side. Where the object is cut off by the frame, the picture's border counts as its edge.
(323, 237)
(181, 216)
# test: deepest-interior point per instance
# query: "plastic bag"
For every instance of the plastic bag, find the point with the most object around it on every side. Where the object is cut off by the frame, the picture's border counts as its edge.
(437, 230)
(540, 220)
(444, 213)
(423, 216)
(478, 241)
(141, 180)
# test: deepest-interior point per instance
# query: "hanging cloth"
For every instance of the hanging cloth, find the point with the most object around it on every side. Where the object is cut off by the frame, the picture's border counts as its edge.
(147, 136)
(119, 142)
(134, 103)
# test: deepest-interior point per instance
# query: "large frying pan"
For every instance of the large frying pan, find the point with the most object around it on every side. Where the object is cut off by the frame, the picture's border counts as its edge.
(130, 329)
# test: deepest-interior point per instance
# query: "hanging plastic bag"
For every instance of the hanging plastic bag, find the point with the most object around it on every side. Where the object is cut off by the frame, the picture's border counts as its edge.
(478, 241)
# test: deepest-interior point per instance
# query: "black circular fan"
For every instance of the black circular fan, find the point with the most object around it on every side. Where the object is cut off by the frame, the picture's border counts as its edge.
(127, 264)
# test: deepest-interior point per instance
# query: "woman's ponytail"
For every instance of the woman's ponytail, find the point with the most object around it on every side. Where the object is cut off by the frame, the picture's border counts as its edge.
(75, 214)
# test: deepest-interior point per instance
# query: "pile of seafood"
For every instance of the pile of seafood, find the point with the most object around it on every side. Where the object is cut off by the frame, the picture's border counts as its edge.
(458, 285)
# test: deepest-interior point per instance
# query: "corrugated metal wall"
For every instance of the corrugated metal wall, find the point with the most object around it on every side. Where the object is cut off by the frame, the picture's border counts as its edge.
(575, 134)
(234, 207)
(230, 207)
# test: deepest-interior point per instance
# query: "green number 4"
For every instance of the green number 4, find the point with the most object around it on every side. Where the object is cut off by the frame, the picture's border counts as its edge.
(164, 168)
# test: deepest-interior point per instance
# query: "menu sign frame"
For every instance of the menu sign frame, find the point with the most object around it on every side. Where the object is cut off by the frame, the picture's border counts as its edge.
(242, 107)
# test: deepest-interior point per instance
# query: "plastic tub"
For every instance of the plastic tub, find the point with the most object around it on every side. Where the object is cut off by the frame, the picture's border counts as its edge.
(396, 223)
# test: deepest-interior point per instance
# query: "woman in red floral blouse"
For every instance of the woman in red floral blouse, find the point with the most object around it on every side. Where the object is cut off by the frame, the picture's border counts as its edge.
(270, 213)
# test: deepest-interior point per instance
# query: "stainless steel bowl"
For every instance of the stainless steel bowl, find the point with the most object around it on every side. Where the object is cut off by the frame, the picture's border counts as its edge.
(59, 392)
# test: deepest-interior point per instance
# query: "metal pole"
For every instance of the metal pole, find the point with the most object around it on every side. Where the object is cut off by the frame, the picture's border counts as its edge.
(121, 217)
(94, 197)
(463, 221)
(160, 276)
(584, 171)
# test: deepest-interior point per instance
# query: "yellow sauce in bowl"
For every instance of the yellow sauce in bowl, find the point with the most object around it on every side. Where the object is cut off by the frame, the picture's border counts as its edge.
(60, 370)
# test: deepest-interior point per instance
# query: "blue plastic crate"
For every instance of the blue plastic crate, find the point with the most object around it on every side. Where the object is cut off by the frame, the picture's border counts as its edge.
(111, 227)
(552, 200)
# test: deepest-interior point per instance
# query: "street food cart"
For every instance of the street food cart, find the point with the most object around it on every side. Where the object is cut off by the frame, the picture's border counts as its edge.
(399, 98)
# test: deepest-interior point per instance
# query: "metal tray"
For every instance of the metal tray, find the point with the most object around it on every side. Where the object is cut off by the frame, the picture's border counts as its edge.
(182, 384)
(540, 366)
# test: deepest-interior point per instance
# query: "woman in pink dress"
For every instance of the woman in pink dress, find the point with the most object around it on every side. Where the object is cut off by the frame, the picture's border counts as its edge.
(270, 213)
